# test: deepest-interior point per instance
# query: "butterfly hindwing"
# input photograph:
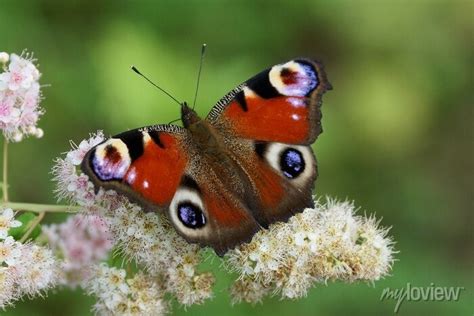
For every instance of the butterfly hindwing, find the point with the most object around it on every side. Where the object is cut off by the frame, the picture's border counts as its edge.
(281, 177)
(205, 211)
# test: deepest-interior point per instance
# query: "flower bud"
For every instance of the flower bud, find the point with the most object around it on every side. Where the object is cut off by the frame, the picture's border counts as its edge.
(39, 133)
(4, 57)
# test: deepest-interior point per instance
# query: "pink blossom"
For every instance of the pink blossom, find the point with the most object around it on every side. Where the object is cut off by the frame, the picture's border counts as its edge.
(8, 112)
(83, 240)
(22, 73)
(20, 95)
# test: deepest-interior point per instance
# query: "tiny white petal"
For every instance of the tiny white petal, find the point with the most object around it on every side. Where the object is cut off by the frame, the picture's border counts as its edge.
(15, 223)
(17, 137)
(7, 213)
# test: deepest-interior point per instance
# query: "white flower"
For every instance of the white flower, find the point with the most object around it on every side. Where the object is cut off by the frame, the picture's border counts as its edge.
(22, 73)
(38, 268)
(306, 239)
(9, 252)
(265, 256)
(117, 295)
(27, 270)
(76, 155)
(116, 280)
(8, 293)
(7, 221)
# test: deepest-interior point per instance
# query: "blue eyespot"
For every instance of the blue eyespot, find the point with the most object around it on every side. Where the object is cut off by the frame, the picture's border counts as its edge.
(191, 215)
(292, 163)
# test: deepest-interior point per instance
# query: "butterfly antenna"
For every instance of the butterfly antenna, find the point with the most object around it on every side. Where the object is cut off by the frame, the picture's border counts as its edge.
(203, 51)
(162, 90)
(171, 122)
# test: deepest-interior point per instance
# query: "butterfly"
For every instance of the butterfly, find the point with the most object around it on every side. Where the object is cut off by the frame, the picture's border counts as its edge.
(221, 179)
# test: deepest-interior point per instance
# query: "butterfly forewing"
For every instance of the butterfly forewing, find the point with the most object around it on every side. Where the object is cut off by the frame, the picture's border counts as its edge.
(281, 104)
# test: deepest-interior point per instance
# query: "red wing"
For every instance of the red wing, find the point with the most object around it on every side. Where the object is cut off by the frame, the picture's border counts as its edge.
(159, 168)
(281, 104)
(145, 164)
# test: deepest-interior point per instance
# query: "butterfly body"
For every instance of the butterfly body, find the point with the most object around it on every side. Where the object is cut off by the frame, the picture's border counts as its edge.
(220, 179)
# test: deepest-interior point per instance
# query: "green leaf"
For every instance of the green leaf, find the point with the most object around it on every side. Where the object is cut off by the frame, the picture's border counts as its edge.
(26, 220)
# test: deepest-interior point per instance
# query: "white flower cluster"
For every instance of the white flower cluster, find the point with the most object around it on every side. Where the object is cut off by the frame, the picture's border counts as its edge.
(81, 241)
(20, 96)
(328, 242)
(25, 269)
(117, 295)
(144, 237)
(150, 241)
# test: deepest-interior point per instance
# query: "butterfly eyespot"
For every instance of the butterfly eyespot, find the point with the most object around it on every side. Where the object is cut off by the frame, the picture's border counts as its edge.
(292, 163)
(111, 160)
(191, 215)
(295, 78)
(186, 210)
(295, 163)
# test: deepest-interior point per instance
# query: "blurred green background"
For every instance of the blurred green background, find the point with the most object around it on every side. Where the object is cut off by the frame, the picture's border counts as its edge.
(398, 131)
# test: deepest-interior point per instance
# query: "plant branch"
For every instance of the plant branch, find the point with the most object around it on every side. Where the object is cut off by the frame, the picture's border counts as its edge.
(33, 224)
(41, 208)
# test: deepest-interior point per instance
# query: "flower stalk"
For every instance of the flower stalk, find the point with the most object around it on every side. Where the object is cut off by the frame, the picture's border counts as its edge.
(40, 208)
(5, 170)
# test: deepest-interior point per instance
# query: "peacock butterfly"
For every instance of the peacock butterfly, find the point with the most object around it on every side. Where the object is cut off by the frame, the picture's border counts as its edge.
(248, 164)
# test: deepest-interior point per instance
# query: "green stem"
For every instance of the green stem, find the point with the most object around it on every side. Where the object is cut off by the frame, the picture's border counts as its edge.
(33, 224)
(40, 208)
(5, 170)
